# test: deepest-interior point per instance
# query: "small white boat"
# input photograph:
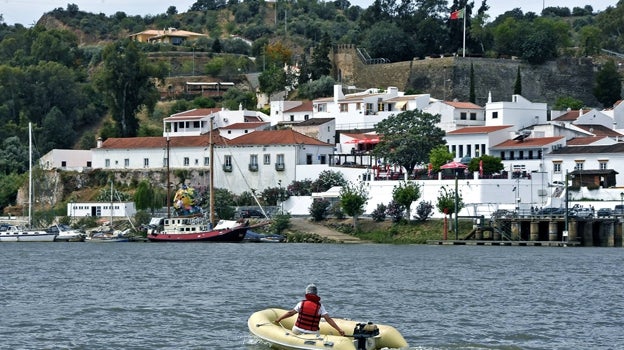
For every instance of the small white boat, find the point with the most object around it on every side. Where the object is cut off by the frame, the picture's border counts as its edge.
(66, 234)
(17, 234)
(358, 335)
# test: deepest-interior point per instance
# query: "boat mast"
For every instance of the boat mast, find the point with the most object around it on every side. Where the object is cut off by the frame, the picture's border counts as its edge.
(212, 213)
(111, 207)
(168, 183)
(30, 181)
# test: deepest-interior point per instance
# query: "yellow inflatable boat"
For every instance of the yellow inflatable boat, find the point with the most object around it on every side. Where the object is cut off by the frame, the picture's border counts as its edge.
(358, 335)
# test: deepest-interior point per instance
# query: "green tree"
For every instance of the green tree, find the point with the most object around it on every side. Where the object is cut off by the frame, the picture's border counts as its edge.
(408, 138)
(272, 80)
(126, 81)
(319, 208)
(566, 102)
(143, 197)
(590, 38)
(353, 197)
(518, 83)
(608, 84)
(405, 194)
(446, 201)
(440, 156)
(328, 179)
(491, 164)
(321, 65)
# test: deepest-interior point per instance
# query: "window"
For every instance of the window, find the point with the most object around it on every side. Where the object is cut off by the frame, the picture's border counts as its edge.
(344, 107)
(461, 151)
(146, 162)
(206, 161)
(253, 162)
(196, 162)
(321, 107)
(186, 161)
(557, 168)
(473, 116)
(279, 163)
(381, 107)
(127, 162)
(462, 115)
(306, 117)
(494, 115)
(227, 160)
(602, 164)
(165, 161)
(267, 159)
(292, 118)
(579, 165)
(107, 163)
(511, 155)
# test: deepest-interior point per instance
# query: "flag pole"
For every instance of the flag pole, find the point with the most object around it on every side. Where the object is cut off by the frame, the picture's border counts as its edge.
(464, 47)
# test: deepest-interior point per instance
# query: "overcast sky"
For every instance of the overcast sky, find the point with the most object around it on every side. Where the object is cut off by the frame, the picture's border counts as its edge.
(27, 12)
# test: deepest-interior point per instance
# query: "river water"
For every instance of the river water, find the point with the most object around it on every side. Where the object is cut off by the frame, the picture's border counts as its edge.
(199, 296)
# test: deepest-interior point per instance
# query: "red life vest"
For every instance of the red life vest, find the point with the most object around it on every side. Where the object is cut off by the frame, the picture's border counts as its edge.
(309, 316)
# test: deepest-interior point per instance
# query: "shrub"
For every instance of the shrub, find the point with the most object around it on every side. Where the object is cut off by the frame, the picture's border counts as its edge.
(395, 211)
(319, 209)
(379, 214)
(280, 223)
(424, 210)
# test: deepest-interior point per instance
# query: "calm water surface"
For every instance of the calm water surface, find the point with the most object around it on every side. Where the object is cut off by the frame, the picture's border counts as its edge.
(199, 296)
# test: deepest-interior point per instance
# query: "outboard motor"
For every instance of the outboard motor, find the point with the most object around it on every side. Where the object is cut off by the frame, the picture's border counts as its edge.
(364, 336)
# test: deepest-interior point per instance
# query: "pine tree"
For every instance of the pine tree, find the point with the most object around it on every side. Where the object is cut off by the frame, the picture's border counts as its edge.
(321, 65)
(518, 84)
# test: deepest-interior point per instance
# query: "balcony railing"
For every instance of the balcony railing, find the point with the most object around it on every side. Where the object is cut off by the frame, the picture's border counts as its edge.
(280, 166)
(253, 167)
(227, 168)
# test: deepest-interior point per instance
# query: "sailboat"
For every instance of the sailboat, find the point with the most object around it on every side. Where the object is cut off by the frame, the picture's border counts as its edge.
(13, 233)
(190, 224)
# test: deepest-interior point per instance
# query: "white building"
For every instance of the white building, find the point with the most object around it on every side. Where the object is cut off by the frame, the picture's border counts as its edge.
(363, 110)
(519, 112)
(238, 129)
(66, 159)
(290, 112)
(196, 122)
(100, 209)
(455, 115)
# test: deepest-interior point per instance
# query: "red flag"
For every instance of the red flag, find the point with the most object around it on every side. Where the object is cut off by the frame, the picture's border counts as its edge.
(457, 14)
(481, 167)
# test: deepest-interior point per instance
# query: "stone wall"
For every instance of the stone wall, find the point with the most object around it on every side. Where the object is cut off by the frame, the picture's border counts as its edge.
(449, 77)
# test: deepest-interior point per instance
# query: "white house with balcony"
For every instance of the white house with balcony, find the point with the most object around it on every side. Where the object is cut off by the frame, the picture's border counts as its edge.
(519, 112)
(363, 110)
(475, 141)
(196, 122)
(455, 114)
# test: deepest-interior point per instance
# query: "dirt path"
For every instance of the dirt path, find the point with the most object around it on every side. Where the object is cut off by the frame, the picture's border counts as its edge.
(305, 225)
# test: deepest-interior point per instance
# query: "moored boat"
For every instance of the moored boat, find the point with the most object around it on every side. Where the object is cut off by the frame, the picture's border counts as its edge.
(195, 229)
(13, 233)
(64, 233)
(358, 335)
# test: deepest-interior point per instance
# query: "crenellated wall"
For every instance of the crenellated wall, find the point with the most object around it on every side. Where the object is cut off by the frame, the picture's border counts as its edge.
(449, 77)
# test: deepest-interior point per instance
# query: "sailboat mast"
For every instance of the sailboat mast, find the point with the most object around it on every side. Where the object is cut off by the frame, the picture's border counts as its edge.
(212, 212)
(111, 207)
(168, 183)
(30, 181)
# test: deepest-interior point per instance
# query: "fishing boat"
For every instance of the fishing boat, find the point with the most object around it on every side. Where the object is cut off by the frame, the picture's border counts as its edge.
(190, 224)
(358, 335)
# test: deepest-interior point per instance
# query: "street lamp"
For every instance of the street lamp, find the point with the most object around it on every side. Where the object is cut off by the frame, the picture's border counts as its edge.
(622, 203)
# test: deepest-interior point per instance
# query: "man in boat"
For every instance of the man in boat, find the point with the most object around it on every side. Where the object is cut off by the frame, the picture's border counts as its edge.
(310, 312)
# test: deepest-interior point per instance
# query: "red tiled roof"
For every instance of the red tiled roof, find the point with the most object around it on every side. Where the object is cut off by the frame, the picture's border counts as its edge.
(478, 129)
(275, 137)
(161, 142)
(463, 105)
(199, 112)
(569, 116)
(584, 141)
(528, 143)
(250, 125)
(599, 130)
(306, 106)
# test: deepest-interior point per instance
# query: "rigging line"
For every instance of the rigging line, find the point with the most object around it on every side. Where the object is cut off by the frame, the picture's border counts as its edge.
(253, 192)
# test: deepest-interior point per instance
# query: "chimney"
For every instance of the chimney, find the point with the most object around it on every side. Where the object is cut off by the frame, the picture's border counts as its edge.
(489, 97)
(99, 142)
